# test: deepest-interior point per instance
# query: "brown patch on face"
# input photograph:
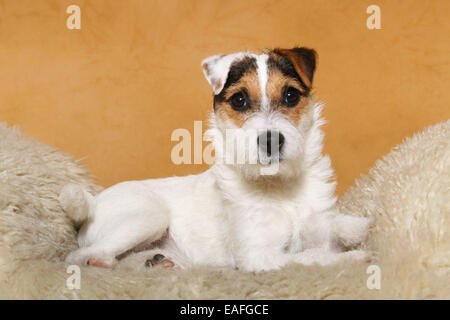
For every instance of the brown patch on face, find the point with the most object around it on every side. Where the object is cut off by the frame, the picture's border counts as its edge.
(206, 69)
(299, 64)
(276, 85)
(249, 84)
(215, 83)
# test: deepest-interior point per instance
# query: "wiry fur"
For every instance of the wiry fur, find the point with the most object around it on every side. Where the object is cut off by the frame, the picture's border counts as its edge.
(406, 191)
(232, 214)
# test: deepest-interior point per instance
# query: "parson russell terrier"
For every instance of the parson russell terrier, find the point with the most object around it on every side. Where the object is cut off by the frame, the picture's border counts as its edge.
(254, 216)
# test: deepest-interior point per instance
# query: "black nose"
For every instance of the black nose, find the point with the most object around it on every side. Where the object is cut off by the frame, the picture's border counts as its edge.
(268, 139)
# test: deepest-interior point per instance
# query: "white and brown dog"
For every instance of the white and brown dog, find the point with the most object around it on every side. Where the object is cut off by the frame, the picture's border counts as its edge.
(254, 216)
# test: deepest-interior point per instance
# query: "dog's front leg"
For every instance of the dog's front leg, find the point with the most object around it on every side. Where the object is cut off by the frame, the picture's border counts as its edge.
(264, 260)
(259, 238)
(316, 256)
(325, 257)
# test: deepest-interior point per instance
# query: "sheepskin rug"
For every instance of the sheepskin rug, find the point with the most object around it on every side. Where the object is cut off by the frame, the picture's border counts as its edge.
(407, 192)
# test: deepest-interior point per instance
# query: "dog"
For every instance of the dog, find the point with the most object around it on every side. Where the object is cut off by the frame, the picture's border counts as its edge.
(274, 207)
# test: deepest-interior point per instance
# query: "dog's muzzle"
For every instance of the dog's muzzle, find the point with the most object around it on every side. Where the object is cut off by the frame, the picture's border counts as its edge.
(270, 143)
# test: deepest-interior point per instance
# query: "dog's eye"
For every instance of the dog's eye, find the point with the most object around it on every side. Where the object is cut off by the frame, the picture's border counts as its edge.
(291, 97)
(239, 101)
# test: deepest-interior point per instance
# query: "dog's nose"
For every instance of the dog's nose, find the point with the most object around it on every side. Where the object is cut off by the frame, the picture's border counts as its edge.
(269, 139)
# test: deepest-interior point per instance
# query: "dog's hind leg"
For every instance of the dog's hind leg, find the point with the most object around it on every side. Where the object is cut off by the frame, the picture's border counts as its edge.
(103, 253)
(127, 230)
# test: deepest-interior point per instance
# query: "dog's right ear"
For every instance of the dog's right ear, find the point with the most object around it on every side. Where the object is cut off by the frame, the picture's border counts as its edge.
(216, 69)
(304, 61)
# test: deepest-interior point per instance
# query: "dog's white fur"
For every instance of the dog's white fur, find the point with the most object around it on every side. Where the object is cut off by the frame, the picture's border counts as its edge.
(232, 214)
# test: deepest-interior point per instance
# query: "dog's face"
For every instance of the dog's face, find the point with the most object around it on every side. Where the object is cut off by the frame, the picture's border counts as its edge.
(259, 103)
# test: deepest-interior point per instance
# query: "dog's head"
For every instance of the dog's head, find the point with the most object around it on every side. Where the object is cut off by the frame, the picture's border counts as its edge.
(259, 103)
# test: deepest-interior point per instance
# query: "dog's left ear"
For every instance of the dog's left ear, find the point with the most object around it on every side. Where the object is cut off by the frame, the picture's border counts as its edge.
(216, 69)
(304, 61)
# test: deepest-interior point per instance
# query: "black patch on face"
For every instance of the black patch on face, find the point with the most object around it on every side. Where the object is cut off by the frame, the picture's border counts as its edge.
(287, 68)
(237, 70)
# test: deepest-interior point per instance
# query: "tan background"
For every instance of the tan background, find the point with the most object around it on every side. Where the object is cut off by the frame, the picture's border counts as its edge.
(115, 90)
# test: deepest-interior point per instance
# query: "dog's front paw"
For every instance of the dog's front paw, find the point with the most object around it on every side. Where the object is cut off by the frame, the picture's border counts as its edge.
(360, 256)
(324, 257)
(352, 231)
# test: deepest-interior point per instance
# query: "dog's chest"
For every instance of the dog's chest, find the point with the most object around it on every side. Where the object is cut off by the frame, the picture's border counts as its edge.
(268, 220)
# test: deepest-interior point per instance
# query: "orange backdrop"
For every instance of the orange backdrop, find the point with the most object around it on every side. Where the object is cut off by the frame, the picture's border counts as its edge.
(114, 91)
